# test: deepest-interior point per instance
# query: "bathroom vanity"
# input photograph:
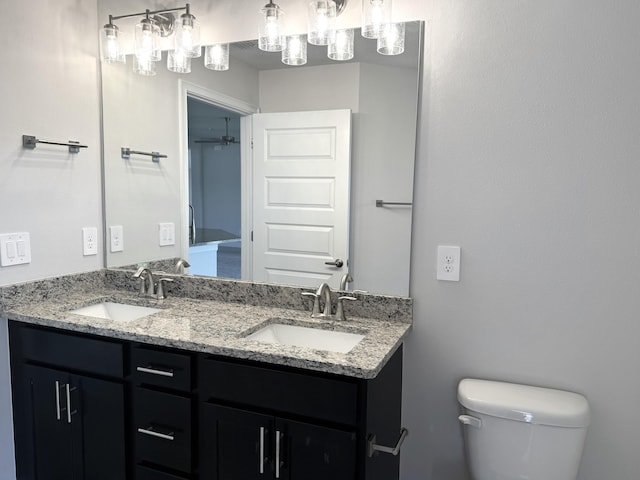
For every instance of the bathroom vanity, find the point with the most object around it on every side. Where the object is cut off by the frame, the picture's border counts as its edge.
(182, 394)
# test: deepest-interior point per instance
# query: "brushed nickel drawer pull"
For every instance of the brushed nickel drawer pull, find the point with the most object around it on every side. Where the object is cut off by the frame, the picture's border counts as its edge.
(57, 400)
(261, 450)
(155, 371)
(149, 431)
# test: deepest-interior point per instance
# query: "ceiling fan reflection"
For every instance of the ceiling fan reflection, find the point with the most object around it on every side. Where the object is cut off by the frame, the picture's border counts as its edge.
(226, 139)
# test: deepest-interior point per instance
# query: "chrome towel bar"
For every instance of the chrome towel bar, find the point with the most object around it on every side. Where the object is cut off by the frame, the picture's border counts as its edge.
(372, 447)
(30, 141)
(382, 203)
(126, 153)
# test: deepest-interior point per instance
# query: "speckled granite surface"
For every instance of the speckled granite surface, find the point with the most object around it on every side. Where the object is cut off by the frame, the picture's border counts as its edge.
(214, 316)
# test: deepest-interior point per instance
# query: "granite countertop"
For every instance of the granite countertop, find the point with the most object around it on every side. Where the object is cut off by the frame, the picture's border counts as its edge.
(219, 328)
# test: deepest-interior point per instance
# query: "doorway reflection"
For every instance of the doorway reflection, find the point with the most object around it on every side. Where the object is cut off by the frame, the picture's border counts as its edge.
(214, 190)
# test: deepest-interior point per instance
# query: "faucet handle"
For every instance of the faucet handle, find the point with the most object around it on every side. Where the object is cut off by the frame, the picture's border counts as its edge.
(340, 307)
(316, 302)
(162, 287)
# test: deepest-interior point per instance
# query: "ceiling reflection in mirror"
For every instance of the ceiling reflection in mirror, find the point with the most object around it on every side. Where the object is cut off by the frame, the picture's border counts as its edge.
(194, 196)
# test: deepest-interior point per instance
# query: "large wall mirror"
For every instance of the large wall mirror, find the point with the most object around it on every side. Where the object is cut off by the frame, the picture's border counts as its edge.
(199, 196)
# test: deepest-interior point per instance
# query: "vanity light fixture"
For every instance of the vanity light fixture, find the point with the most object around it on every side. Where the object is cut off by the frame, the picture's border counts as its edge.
(178, 62)
(148, 32)
(391, 42)
(341, 45)
(187, 37)
(375, 15)
(295, 50)
(321, 21)
(270, 37)
(216, 57)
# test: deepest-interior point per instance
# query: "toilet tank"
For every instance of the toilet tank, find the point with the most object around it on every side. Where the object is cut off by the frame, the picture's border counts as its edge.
(522, 432)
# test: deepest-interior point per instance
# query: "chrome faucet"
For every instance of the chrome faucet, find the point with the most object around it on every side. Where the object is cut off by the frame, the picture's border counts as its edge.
(324, 293)
(147, 284)
(150, 287)
(181, 265)
(346, 278)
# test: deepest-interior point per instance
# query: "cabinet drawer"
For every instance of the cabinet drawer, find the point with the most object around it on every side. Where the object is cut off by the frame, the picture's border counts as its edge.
(162, 424)
(64, 350)
(144, 473)
(160, 368)
(314, 396)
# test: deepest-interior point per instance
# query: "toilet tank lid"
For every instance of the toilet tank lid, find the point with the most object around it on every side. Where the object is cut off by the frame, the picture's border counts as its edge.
(524, 403)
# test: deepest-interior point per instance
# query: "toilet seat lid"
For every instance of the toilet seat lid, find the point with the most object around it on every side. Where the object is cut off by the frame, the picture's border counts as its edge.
(524, 403)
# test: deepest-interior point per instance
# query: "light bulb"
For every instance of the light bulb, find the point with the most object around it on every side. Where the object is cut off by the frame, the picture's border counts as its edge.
(216, 57)
(341, 45)
(295, 51)
(375, 15)
(270, 38)
(321, 21)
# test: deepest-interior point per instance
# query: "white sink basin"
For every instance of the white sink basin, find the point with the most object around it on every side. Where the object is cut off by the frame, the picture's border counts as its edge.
(118, 312)
(315, 338)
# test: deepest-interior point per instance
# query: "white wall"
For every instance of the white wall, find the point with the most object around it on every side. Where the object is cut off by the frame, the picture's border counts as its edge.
(50, 90)
(528, 160)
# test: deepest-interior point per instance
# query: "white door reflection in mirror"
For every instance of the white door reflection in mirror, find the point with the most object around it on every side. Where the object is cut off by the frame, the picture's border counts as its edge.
(301, 171)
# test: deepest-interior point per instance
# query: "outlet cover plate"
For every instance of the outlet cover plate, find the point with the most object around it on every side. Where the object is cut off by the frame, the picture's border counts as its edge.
(116, 234)
(167, 234)
(448, 263)
(89, 241)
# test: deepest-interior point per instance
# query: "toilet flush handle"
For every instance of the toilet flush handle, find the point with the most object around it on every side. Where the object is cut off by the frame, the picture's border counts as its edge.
(469, 420)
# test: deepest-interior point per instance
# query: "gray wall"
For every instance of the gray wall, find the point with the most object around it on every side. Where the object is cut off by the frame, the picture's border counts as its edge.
(528, 160)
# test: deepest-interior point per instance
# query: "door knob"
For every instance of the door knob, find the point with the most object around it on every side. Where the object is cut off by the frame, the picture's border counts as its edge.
(336, 263)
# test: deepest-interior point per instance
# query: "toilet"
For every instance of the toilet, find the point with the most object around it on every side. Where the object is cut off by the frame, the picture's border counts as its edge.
(520, 432)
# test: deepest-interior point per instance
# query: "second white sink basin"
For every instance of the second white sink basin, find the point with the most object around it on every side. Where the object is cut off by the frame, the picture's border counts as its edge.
(315, 338)
(119, 312)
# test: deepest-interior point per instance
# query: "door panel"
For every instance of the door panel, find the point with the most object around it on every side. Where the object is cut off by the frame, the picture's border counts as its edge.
(232, 441)
(318, 453)
(51, 432)
(301, 176)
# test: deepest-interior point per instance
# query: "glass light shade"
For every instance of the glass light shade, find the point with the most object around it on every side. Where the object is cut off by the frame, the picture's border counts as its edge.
(110, 48)
(144, 66)
(322, 21)
(270, 37)
(341, 45)
(392, 40)
(375, 15)
(147, 45)
(178, 62)
(295, 50)
(187, 36)
(216, 57)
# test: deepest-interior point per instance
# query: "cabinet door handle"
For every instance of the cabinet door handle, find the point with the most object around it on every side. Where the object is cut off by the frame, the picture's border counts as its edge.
(261, 450)
(278, 434)
(69, 411)
(155, 371)
(57, 400)
(153, 433)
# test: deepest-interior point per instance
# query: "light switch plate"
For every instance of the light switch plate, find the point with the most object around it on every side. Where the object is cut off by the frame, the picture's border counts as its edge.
(167, 234)
(116, 234)
(89, 241)
(15, 249)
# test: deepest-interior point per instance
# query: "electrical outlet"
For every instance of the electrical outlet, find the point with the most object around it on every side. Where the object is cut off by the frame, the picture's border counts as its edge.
(90, 241)
(117, 238)
(448, 263)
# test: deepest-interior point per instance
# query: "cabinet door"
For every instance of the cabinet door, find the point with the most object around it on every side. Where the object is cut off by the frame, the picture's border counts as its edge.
(235, 444)
(78, 426)
(99, 427)
(51, 433)
(312, 452)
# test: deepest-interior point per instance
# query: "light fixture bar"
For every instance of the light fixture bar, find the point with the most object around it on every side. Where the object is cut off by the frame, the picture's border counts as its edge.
(147, 12)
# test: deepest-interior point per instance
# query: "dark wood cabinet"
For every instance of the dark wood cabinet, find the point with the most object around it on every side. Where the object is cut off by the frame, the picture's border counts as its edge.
(87, 407)
(243, 444)
(75, 425)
